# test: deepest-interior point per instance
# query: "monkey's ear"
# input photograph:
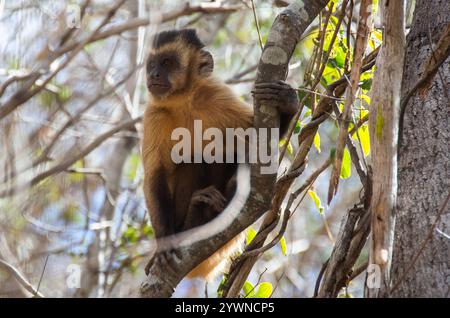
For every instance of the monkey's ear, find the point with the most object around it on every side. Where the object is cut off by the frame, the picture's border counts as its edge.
(206, 65)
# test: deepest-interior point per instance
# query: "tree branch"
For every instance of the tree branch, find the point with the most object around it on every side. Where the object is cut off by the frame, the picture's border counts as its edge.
(22, 280)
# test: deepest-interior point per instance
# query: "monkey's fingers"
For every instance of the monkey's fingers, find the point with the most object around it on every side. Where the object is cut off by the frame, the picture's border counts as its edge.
(274, 85)
(210, 196)
(266, 90)
(267, 96)
(162, 259)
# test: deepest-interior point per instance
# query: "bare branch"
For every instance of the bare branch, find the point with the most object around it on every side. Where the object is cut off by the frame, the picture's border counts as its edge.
(70, 161)
(21, 279)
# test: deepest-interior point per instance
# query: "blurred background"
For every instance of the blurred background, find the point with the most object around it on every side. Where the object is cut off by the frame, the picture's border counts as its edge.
(72, 216)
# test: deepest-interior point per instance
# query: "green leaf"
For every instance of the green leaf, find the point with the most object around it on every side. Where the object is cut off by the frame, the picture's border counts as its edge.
(340, 56)
(132, 166)
(69, 214)
(133, 268)
(289, 149)
(76, 176)
(346, 170)
(147, 230)
(131, 234)
(317, 142)
(332, 154)
(46, 98)
(366, 84)
(307, 113)
(249, 290)
(316, 200)
(264, 291)
(363, 133)
(283, 246)
(251, 233)
(330, 74)
(297, 127)
(65, 93)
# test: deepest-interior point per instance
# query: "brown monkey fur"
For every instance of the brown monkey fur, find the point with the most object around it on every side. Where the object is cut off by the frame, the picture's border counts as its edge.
(183, 89)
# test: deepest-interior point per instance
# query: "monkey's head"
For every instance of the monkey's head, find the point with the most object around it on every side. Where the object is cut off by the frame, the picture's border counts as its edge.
(177, 59)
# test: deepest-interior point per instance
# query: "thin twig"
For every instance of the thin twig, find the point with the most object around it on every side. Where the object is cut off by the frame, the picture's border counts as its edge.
(42, 274)
(255, 16)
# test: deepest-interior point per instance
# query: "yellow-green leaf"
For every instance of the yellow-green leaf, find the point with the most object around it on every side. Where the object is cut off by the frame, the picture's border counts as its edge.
(289, 148)
(363, 133)
(317, 142)
(76, 176)
(316, 200)
(264, 290)
(346, 170)
(132, 165)
(251, 233)
(283, 246)
(249, 289)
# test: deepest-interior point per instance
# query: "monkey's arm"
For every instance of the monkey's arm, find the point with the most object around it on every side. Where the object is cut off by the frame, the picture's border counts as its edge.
(159, 203)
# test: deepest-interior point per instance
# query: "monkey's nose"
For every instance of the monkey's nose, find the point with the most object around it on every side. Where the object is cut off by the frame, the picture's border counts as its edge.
(155, 75)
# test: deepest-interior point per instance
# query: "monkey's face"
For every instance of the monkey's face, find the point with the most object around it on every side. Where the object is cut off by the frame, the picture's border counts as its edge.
(176, 61)
(160, 71)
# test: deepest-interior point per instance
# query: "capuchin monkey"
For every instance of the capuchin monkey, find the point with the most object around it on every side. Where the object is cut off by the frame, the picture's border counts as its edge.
(182, 89)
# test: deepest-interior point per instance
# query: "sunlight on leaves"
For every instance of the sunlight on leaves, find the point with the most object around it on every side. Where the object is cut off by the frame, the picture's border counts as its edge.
(346, 170)
(316, 200)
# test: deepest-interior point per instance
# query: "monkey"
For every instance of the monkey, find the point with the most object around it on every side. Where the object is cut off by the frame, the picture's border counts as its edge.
(182, 88)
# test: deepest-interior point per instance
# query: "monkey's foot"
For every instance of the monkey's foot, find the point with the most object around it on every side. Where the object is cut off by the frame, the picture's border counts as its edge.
(209, 196)
(281, 92)
(162, 258)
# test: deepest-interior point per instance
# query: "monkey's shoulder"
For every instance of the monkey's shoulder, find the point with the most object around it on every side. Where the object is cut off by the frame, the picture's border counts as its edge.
(212, 95)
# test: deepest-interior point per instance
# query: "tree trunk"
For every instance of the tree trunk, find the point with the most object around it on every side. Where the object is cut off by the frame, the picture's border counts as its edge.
(421, 260)
(383, 126)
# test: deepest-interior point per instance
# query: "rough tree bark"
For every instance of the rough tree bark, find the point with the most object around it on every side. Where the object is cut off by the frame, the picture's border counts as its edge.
(424, 164)
(282, 39)
(383, 127)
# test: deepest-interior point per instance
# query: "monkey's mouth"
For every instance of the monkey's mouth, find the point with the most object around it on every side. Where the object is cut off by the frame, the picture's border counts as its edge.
(158, 88)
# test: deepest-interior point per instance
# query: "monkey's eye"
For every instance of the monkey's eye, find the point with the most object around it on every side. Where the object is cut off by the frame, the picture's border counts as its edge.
(166, 62)
(151, 64)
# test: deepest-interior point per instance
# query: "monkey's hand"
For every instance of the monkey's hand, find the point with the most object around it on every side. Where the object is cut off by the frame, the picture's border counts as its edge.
(205, 205)
(285, 96)
(162, 257)
(209, 196)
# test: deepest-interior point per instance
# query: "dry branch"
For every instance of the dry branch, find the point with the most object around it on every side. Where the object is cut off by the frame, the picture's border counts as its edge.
(19, 277)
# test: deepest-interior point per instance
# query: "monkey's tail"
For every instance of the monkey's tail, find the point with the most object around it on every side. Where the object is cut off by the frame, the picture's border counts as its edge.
(220, 261)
